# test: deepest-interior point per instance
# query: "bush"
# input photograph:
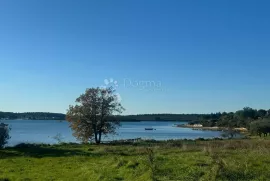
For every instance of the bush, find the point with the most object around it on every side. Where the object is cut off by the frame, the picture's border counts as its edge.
(260, 128)
(4, 134)
(230, 133)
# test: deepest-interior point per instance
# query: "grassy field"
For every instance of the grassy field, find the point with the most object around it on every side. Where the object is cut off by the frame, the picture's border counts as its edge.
(174, 160)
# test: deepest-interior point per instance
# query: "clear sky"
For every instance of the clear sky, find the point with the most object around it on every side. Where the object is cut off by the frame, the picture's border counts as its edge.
(167, 56)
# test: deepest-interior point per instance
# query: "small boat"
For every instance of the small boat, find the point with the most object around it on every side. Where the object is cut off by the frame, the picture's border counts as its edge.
(150, 129)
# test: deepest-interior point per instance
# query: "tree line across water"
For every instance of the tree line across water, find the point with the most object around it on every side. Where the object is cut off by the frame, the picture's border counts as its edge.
(130, 118)
(240, 118)
(32, 116)
(206, 119)
(256, 121)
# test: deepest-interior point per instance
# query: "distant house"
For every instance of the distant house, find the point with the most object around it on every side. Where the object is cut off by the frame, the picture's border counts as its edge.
(197, 125)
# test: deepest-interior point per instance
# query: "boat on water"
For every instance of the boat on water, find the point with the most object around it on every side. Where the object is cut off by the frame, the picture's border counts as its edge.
(149, 129)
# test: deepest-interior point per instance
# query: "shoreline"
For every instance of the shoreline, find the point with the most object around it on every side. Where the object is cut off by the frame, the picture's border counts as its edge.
(216, 128)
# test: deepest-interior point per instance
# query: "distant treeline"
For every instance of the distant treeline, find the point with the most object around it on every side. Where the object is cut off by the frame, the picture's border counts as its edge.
(135, 118)
(159, 117)
(32, 115)
(240, 118)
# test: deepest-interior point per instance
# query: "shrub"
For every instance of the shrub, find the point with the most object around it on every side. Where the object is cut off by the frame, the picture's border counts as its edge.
(59, 138)
(230, 133)
(4, 134)
(260, 127)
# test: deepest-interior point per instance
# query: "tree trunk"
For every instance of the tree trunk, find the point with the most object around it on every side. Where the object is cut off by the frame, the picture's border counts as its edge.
(96, 138)
(99, 136)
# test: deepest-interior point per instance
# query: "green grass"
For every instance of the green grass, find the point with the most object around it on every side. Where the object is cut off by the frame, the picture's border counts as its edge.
(174, 160)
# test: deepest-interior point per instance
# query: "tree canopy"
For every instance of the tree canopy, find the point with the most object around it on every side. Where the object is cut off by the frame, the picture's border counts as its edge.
(260, 127)
(4, 134)
(240, 118)
(32, 115)
(93, 115)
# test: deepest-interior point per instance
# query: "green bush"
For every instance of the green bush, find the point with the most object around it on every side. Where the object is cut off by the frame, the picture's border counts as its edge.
(260, 127)
(4, 134)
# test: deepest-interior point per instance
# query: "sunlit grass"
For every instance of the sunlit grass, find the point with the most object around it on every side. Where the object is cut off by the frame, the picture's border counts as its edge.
(174, 160)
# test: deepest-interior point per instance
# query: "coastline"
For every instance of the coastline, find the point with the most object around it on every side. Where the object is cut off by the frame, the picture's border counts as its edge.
(216, 128)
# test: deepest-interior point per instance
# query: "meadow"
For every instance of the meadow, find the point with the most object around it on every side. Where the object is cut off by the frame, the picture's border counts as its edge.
(246, 159)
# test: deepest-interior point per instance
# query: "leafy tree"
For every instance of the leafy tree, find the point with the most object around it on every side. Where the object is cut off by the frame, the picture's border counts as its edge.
(262, 113)
(32, 115)
(94, 114)
(4, 134)
(247, 112)
(209, 123)
(267, 115)
(260, 127)
(226, 120)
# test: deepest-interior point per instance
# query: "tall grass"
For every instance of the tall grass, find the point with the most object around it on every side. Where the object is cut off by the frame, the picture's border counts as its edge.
(141, 161)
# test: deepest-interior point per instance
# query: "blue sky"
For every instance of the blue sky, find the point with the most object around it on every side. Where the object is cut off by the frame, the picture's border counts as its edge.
(199, 56)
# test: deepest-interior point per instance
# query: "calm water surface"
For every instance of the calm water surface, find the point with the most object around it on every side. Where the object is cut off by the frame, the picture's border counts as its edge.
(44, 131)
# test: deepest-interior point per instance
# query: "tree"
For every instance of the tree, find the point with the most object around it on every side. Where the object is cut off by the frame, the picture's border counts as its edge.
(268, 113)
(4, 134)
(260, 127)
(262, 113)
(94, 114)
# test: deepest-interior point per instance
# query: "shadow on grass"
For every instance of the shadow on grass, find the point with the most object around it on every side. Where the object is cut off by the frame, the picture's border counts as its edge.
(40, 151)
(68, 150)
(4, 179)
